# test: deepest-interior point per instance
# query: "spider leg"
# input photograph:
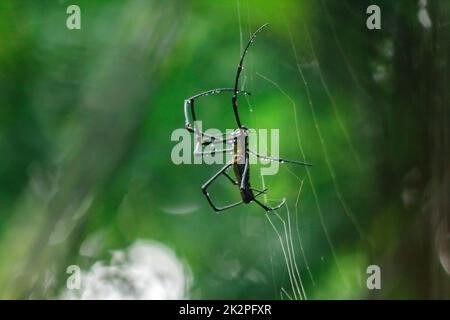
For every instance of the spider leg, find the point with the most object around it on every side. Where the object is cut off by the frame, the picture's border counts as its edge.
(238, 74)
(259, 191)
(211, 153)
(190, 103)
(230, 178)
(280, 159)
(214, 91)
(212, 139)
(198, 151)
(208, 183)
(236, 183)
(267, 208)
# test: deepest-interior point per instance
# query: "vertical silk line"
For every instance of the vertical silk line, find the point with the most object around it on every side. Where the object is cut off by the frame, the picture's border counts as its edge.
(297, 226)
(330, 167)
(316, 198)
(280, 238)
(291, 258)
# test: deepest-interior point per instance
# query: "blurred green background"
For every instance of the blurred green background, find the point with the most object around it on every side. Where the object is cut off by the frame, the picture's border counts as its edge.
(86, 118)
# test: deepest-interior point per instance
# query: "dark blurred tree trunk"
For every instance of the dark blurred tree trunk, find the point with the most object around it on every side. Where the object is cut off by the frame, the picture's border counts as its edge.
(438, 208)
(415, 154)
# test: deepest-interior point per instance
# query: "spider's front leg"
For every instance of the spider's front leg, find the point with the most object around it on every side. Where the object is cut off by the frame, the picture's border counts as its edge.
(189, 105)
(199, 153)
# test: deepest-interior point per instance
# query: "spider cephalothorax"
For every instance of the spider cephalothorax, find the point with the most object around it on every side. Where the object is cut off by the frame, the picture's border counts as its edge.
(237, 143)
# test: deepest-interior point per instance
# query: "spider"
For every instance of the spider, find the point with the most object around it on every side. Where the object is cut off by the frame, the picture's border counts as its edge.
(239, 145)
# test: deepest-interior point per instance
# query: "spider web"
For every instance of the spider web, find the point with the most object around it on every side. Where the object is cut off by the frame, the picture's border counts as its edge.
(285, 223)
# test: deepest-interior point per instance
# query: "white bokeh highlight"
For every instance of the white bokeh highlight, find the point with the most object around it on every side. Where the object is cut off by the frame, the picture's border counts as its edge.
(145, 270)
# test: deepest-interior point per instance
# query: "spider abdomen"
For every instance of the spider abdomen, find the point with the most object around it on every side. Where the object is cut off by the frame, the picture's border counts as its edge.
(244, 183)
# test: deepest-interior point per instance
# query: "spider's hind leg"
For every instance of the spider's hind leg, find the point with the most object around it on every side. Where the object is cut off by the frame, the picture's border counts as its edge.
(230, 178)
(206, 193)
(259, 191)
(267, 208)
